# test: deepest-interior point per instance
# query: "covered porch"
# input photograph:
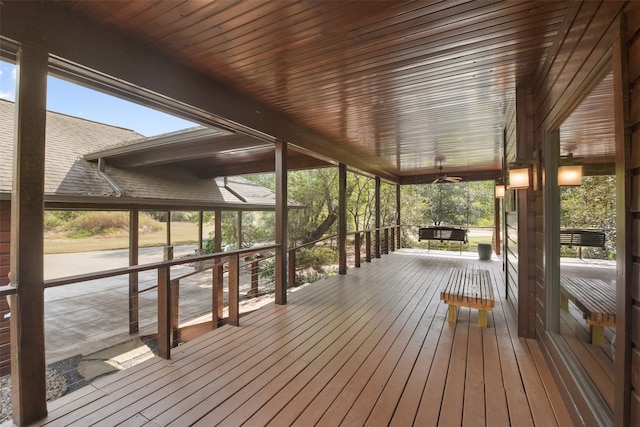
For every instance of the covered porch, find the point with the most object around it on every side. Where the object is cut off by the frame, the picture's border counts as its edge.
(373, 346)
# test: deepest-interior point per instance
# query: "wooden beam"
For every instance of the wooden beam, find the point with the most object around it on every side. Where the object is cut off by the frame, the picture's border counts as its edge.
(342, 218)
(281, 222)
(28, 363)
(147, 72)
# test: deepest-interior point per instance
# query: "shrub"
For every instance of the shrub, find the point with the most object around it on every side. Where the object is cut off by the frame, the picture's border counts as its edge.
(146, 223)
(315, 258)
(100, 222)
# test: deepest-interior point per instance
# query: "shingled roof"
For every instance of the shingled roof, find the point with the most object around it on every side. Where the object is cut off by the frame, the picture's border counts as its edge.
(71, 181)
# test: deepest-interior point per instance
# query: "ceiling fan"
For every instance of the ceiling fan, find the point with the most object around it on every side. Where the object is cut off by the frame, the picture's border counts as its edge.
(443, 178)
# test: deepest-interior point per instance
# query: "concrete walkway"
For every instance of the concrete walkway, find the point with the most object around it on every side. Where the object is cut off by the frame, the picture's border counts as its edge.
(84, 318)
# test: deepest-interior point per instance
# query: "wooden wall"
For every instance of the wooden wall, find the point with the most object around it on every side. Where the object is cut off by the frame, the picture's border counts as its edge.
(5, 237)
(579, 56)
(633, 80)
(511, 214)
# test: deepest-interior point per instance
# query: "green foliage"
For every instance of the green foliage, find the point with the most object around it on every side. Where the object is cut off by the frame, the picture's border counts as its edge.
(81, 224)
(101, 222)
(317, 191)
(316, 258)
(465, 203)
(147, 224)
(591, 205)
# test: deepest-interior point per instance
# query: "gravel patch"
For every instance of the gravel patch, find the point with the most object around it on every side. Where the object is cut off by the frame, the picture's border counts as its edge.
(57, 386)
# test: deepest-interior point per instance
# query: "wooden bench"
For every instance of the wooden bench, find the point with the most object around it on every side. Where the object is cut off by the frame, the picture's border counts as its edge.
(595, 299)
(582, 238)
(469, 288)
(442, 233)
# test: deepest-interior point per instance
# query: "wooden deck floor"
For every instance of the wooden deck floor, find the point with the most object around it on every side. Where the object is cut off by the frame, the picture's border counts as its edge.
(372, 347)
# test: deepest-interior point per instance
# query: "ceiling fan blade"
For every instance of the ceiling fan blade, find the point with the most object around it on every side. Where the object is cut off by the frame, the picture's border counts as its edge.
(454, 179)
(436, 181)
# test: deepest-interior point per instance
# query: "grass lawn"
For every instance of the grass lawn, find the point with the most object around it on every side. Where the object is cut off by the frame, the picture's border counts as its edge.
(182, 233)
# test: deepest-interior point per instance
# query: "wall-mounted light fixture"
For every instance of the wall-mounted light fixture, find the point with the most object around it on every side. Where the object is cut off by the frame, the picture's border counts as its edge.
(499, 190)
(569, 171)
(518, 176)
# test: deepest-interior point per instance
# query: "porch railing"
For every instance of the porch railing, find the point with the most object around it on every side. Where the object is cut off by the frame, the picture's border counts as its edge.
(218, 265)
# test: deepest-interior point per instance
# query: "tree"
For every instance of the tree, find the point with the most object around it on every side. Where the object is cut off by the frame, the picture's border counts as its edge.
(591, 205)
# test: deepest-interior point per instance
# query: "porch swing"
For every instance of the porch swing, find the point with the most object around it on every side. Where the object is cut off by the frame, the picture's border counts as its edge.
(444, 233)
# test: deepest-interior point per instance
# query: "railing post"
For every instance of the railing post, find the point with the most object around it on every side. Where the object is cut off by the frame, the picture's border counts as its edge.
(164, 313)
(368, 246)
(254, 278)
(357, 247)
(175, 311)
(399, 237)
(392, 240)
(217, 297)
(292, 268)
(234, 290)
(386, 242)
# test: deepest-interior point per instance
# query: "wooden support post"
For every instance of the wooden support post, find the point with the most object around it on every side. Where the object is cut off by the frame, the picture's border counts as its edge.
(342, 218)
(168, 228)
(398, 213)
(377, 216)
(281, 222)
(239, 230)
(292, 268)
(217, 231)
(234, 290)
(358, 248)
(217, 304)
(164, 313)
(134, 304)
(496, 229)
(254, 278)
(200, 229)
(28, 383)
(367, 243)
(175, 311)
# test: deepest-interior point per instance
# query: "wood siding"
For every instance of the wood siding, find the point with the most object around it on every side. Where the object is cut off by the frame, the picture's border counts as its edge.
(5, 238)
(510, 214)
(5, 234)
(633, 52)
(579, 57)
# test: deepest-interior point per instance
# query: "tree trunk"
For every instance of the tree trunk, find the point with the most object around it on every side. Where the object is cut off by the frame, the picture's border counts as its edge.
(323, 227)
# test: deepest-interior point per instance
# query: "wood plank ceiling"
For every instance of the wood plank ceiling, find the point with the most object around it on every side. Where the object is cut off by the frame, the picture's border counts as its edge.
(401, 82)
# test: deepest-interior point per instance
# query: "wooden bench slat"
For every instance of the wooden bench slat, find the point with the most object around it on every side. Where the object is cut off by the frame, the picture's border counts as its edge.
(595, 299)
(469, 288)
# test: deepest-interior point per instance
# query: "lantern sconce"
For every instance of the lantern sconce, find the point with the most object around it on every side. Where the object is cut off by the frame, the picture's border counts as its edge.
(519, 176)
(499, 189)
(524, 174)
(569, 171)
